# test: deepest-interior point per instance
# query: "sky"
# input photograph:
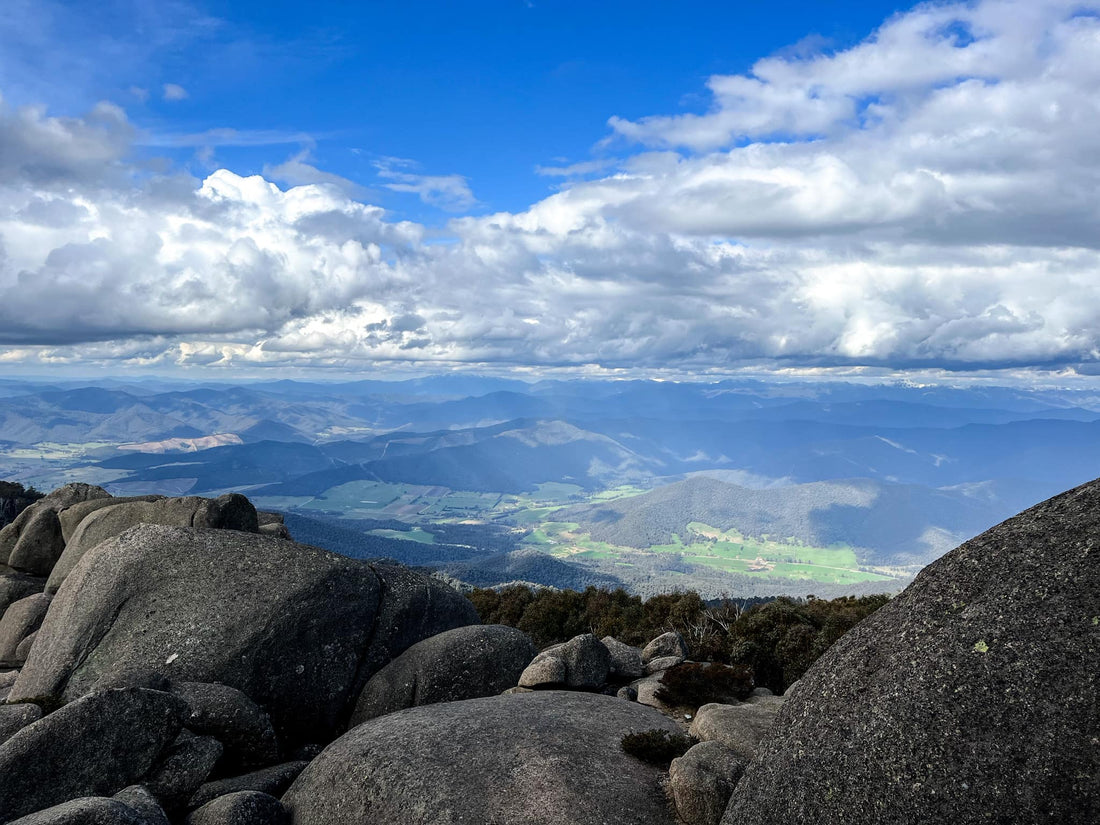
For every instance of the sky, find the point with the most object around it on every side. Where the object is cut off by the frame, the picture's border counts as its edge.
(690, 189)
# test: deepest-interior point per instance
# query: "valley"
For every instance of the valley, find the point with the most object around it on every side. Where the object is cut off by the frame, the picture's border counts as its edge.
(736, 487)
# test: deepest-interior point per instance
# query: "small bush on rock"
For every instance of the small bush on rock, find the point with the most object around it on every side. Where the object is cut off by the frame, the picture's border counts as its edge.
(657, 747)
(692, 684)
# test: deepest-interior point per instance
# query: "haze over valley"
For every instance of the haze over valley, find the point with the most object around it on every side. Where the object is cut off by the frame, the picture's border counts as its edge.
(733, 487)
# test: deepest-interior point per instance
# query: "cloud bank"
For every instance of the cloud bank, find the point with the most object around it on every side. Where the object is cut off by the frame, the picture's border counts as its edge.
(924, 199)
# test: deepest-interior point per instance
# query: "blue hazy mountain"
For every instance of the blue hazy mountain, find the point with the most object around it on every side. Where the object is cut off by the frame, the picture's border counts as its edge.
(928, 465)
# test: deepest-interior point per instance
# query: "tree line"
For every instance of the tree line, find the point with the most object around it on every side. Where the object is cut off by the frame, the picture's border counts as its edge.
(779, 638)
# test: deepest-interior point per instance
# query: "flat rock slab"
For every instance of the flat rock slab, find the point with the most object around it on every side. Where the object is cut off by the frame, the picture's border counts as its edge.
(971, 697)
(541, 758)
(92, 747)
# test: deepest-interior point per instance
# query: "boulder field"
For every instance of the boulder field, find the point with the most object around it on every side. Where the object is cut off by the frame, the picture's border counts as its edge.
(170, 661)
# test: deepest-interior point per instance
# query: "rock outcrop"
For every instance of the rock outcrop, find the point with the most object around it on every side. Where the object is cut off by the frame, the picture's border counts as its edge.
(187, 604)
(229, 512)
(540, 758)
(582, 663)
(702, 780)
(95, 746)
(971, 697)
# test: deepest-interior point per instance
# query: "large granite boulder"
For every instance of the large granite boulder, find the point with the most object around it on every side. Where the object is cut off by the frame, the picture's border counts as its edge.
(90, 810)
(702, 780)
(465, 663)
(272, 781)
(626, 660)
(71, 516)
(242, 727)
(35, 538)
(182, 769)
(16, 586)
(582, 663)
(739, 727)
(92, 747)
(294, 628)
(971, 697)
(541, 758)
(667, 645)
(40, 542)
(229, 512)
(20, 620)
(241, 808)
(413, 607)
(13, 718)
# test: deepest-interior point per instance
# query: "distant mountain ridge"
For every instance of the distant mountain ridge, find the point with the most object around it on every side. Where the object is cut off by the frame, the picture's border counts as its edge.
(884, 523)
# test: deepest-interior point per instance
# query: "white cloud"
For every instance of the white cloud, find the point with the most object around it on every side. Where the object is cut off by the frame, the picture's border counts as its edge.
(449, 192)
(173, 92)
(925, 199)
(573, 170)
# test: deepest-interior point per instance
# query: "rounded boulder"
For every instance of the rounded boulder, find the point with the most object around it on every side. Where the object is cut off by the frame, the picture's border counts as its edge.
(464, 663)
(539, 758)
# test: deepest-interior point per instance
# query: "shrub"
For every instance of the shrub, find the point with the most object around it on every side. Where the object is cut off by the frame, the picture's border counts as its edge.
(692, 684)
(657, 747)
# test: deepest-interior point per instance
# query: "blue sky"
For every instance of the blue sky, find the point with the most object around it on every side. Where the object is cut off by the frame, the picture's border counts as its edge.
(616, 188)
(491, 91)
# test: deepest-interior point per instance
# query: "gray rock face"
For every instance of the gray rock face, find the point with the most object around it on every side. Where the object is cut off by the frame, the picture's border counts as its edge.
(59, 499)
(585, 660)
(413, 607)
(667, 644)
(626, 660)
(465, 663)
(971, 697)
(142, 801)
(229, 512)
(273, 781)
(16, 586)
(702, 780)
(285, 623)
(13, 718)
(71, 516)
(662, 663)
(241, 808)
(541, 758)
(243, 727)
(23, 649)
(20, 620)
(94, 810)
(546, 669)
(183, 768)
(92, 747)
(40, 542)
(739, 727)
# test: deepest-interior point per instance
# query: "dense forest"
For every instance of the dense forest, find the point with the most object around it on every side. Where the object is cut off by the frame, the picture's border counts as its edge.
(778, 638)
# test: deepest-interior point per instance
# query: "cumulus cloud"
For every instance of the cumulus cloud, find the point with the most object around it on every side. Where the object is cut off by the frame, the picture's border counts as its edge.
(925, 199)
